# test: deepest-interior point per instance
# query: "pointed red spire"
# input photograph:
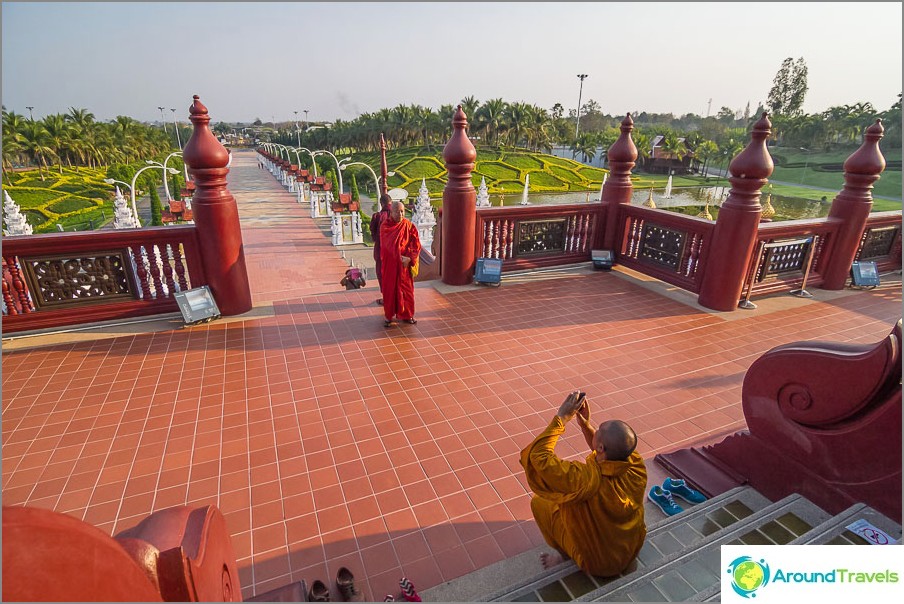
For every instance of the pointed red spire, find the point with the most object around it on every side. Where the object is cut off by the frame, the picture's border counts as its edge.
(383, 170)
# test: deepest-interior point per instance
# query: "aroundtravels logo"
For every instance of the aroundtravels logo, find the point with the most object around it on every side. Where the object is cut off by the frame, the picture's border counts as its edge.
(748, 575)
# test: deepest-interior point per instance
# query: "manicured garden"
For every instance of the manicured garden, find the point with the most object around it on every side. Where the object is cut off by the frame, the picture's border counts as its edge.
(76, 200)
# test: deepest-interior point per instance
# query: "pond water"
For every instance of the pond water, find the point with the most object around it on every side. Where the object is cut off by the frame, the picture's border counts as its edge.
(684, 200)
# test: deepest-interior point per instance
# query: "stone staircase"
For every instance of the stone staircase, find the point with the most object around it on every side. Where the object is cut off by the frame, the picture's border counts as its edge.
(680, 560)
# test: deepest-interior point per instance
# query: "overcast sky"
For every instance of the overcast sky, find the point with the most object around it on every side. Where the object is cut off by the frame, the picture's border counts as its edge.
(337, 60)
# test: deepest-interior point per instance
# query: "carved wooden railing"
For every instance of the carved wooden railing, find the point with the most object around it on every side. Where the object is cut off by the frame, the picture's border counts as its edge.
(671, 247)
(783, 252)
(69, 278)
(881, 241)
(538, 236)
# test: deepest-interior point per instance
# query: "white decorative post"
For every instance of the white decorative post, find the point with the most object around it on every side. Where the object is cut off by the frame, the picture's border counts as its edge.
(123, 218)
(483, 196)
(357, 230)
(605, 176)
(313, 205)
(524, 200)
(336, 228)
(16, 223)
(423, 217)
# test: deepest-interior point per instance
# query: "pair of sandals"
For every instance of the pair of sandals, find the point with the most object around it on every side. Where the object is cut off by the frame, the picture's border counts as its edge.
(345, 581)
(389, 323)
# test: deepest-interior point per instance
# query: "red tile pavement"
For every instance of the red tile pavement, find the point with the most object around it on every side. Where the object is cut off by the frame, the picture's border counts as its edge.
(328, 440)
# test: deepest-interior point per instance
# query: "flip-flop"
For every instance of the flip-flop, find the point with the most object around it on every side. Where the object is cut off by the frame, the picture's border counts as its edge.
(410, 321)
(387, 323)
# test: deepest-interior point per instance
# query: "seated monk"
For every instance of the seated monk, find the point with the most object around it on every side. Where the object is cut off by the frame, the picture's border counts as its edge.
(592, 511)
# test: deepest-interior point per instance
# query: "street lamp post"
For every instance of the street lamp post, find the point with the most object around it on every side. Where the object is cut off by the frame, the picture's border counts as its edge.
(165, 180)
(577, 124)
(153, 164)
(343, 166)
(30, 114)
(306, 119)
(297, 131)
(179, 140)
(309, 153)
(163, 119)
(806, 164)
(338, 168)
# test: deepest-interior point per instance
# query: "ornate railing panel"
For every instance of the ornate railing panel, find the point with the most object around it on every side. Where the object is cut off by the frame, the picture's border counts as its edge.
(671, 247)
(96, 276)
(784, 249)
(881, 241)
(535, 236)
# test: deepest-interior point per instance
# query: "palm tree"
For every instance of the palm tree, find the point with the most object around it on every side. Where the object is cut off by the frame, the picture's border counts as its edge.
(674, 147)
(490, 118)
(35, 143)
(13, 124)
(469, 105)
(59, 136)
(642, 142)
(516, 116)
(706, 151)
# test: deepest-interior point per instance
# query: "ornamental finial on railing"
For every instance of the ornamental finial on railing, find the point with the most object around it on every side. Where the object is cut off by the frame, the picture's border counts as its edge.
(623, 150)
(754, 162)
(459, 153)
(203, 150)
(868, 159)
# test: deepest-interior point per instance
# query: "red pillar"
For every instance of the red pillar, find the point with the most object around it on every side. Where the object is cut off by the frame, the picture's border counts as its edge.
(384, 188)
(459, 205)
(618, 188)
(216, 217)
(852, 205)
(735, 234)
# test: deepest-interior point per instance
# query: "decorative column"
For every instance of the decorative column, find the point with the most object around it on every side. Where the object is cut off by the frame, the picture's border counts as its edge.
(459, 205)
(852, 206)
(123, 218)
(216, 217)
(384, 173)
(16, 223)
(617, 189)
(423, 217)
(734, 236)
(336, 228)
(357, 229)
(483, 195)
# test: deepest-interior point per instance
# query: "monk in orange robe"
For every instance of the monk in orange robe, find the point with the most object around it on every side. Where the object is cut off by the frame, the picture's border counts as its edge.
(399, 250)
(592, 511)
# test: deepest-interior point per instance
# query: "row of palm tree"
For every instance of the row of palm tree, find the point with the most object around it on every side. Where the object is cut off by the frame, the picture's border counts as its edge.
(78, 140)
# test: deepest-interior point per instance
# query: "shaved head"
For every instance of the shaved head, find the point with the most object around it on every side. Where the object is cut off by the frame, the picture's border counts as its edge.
(396, 211)
(618, 439)
(385, 200)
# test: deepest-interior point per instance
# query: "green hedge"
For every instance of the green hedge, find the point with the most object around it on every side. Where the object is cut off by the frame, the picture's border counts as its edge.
(593, 174)
(499, 171)
(546, 180)
(33, 198)
(422, 167)
(70, 204)
(523, 162)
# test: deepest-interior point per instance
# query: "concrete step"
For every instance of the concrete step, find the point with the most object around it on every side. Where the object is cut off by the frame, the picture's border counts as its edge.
(523, 577)
(694, 572)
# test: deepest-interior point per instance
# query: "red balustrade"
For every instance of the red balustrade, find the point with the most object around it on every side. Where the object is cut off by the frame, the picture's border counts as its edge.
(72, 285)
(881, 240)
(671, 247)
(538, 236)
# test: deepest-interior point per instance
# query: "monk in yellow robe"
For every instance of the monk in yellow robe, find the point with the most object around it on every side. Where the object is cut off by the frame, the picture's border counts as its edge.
(592, 511)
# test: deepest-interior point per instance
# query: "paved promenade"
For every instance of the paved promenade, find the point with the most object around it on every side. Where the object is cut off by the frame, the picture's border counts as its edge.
(328, 440)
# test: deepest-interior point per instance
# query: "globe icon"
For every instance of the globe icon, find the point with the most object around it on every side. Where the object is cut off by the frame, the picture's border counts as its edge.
(748, 575)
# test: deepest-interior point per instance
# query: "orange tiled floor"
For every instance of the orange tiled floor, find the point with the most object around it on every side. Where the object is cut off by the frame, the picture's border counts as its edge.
(327, 440)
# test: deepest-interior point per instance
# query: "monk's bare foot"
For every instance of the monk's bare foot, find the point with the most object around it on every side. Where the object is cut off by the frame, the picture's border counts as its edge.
(550, 560)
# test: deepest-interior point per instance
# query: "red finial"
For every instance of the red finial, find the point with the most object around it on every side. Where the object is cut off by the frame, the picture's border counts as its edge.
(624, 149)
(203, 150)
(868, 159)
(459, 149)
(754, 161)
(384, 172)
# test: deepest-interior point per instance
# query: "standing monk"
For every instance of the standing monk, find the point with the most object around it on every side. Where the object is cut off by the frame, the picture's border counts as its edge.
(399, 250)
(589, 511)
(375, 221)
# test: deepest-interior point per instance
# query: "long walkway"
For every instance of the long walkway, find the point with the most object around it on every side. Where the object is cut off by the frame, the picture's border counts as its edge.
(328, 440)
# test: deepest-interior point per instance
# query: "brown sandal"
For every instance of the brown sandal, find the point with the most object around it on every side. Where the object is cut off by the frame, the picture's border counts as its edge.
(346, 582)
(319, 592)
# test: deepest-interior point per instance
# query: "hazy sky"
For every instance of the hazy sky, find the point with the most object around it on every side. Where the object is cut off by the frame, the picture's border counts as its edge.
(266, 60)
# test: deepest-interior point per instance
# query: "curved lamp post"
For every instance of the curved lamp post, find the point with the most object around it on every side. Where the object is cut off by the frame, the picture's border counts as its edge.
(154, 164)
(163, 166)
(311, 153)
(343, 166)
(338, 168)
